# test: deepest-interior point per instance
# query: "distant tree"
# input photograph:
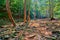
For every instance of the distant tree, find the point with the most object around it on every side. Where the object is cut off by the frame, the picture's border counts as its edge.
(51, 9)
(9, 13)
(35, 8)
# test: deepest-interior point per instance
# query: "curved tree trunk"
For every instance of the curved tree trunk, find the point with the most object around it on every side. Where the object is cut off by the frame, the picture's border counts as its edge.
(9, 13)
(25, 11)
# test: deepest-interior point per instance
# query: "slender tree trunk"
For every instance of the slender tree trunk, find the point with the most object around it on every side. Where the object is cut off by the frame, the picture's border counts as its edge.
(29, 15)
(51, 9)
(35, 9)
(29, 11)
(25, 11)
(9, 13)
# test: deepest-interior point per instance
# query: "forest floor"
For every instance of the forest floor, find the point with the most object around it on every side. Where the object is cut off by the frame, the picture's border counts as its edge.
(40, 29)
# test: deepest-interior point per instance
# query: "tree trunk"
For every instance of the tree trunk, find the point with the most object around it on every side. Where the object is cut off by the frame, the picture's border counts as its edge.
(35, 9)
(51, 9)
(29, 15)
(9, 13)
(25, 11)
(29, 12)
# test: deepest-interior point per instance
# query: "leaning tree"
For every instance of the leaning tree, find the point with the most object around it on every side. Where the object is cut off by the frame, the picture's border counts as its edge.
(9, 13)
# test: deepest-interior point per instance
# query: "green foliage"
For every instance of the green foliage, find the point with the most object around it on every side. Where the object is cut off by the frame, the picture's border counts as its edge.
(17, 6)
(2, 3)
(41, 7)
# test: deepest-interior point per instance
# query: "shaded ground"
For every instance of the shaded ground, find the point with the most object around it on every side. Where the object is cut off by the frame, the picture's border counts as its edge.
(41, 29)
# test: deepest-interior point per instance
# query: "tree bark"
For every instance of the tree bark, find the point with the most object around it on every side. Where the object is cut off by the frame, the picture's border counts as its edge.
(9, 13)
(29, 12)
(25, 11)
(51, 9)
(29, 15)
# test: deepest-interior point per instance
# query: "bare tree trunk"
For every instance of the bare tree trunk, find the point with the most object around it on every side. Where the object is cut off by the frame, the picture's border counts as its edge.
(29, 15)
(35, 9)
(25, 11)
(9, 13)
(29, 11)
(51, 9)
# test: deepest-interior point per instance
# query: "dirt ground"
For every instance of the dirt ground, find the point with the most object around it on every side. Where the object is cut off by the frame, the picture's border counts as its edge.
(40, 29)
